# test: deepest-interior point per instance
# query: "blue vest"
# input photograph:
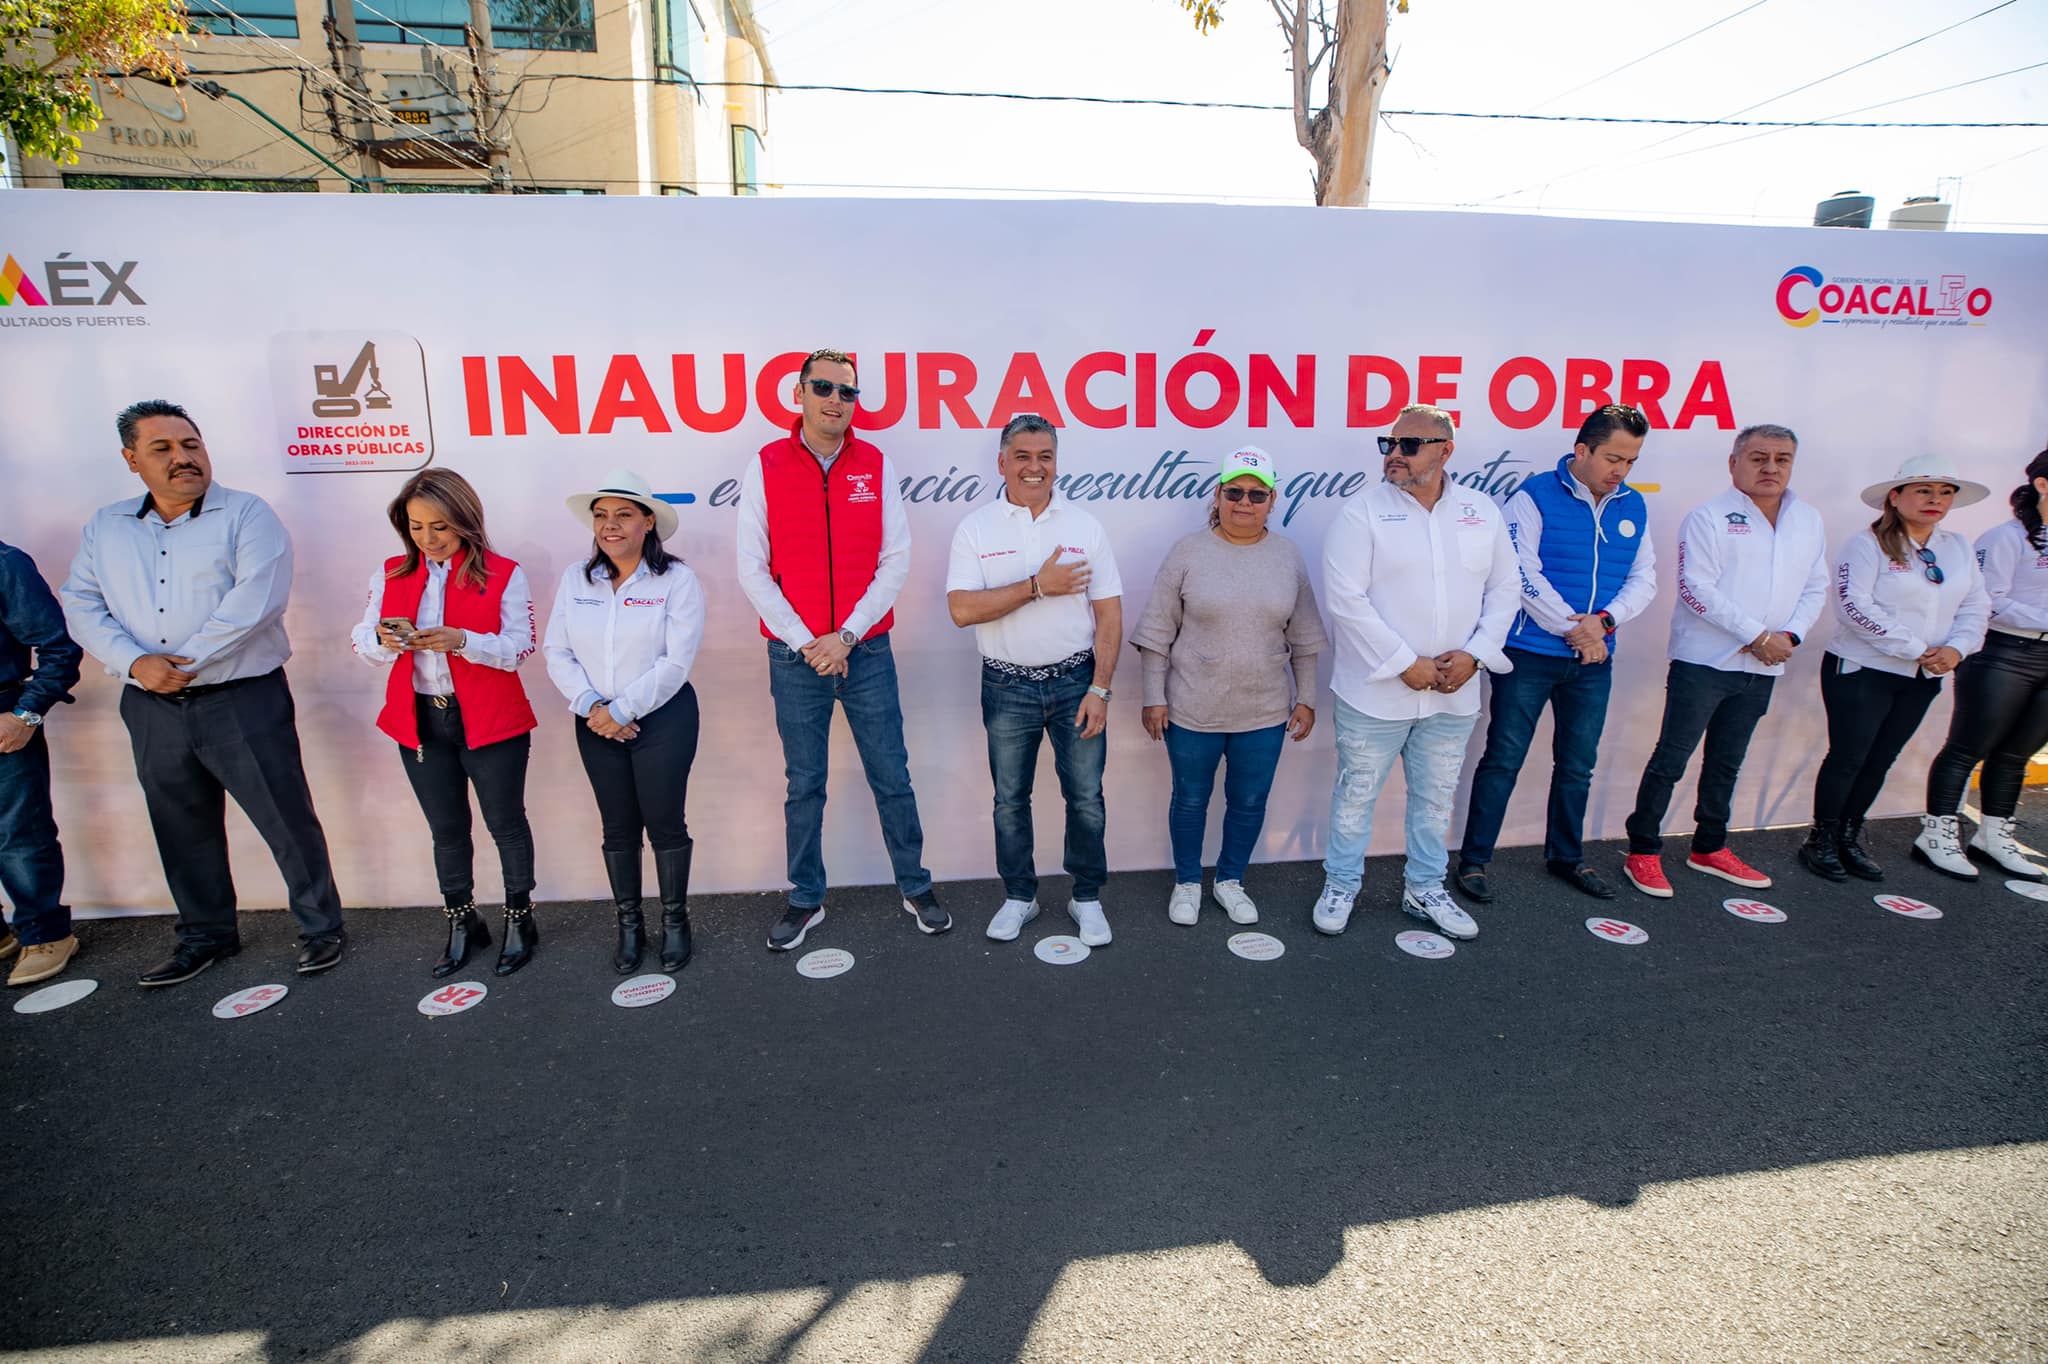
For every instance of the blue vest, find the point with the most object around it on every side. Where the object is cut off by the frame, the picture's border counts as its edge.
(1586, 563)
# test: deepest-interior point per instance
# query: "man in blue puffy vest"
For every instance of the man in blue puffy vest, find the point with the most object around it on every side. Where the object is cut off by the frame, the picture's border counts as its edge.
(1582, 536)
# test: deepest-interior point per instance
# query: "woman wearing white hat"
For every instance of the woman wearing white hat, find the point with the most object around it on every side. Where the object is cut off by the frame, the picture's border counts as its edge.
(1909, 605)
(624, 634)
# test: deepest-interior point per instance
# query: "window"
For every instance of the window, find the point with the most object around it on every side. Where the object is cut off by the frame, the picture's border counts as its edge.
(746, 160)
(676, 30)
(242, 18)
(550, 25)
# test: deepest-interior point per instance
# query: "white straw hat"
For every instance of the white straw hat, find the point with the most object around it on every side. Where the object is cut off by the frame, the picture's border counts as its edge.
(629, 485)
(1926, 469)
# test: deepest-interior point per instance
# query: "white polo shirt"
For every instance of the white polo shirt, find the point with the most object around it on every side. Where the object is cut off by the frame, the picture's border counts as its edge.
(631, 649)
(1001, 544)
(1739, 575)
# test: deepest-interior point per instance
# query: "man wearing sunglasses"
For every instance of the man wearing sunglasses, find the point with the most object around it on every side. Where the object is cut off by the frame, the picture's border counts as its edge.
(1419, 579)
(824, 548)
(1582, 541)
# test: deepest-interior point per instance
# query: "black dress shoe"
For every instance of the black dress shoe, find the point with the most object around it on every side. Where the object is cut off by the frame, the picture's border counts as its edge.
(1583, 877)
(188, 961)
(467, 931)
(522, 935)
(320, 953)
(1471, 883)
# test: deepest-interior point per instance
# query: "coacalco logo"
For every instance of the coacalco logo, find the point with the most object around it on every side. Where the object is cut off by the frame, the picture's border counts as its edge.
(1806, 296)
(68, 283)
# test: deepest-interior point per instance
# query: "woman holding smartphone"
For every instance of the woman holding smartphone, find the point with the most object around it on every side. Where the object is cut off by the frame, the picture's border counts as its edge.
(453, 620)
(620, 645)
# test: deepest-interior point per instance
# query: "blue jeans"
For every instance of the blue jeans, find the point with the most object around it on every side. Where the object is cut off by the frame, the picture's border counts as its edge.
(31, 861)
(1432, 753)
(1016, 711)
(1577, 696)
(803, 717)
(1252, 755)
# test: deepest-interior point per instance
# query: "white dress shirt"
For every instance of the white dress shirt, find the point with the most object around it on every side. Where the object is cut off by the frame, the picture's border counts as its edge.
(1402, 582)
(1001, 544)
(210, 586)
(1888, 614)
(891, 569)
(2015, 580)
(629, 650)
(507, 649)
(1738, 576)
(1543, 603)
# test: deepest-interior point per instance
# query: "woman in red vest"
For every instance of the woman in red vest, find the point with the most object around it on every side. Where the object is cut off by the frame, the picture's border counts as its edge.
(454, 621)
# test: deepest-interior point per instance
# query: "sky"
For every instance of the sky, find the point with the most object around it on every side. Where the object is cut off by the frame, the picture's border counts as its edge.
(1483, 56)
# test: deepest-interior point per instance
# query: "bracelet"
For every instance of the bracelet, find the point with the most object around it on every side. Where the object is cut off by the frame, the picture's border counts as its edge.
(1037, 594)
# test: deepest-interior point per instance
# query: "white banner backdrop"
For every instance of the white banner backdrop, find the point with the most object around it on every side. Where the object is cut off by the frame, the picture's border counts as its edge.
(327, 345)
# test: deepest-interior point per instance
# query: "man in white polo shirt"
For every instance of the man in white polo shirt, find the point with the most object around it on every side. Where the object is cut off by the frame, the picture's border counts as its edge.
(1421, 584)
(1034, 576)
(1752, 580)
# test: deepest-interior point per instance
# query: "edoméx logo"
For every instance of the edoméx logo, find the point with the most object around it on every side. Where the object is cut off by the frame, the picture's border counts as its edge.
(1806, 297)
(65, 284)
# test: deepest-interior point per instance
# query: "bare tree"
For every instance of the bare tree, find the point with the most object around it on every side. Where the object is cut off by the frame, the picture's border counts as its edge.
(1352, 45)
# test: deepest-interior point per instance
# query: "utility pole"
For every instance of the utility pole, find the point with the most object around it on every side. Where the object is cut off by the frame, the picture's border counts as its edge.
(348, 60)
(486, 58)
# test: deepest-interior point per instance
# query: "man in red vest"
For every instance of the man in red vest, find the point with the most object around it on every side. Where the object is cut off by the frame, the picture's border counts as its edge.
(824, 547)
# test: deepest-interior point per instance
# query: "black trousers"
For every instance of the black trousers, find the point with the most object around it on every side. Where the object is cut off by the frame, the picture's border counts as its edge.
(1871, 715)
(643, 783)
(2000, 720)
(1699, 701)
(442, 770)
(192, 751)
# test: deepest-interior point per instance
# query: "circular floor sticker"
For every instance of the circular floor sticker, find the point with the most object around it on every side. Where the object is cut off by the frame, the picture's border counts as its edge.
(825, 963)
(1616, 930)
(454, 999)
(55, 996)
(641, 991)
(253, 1000)
(1428, 946)
(2032, 890)
(1061, 951)
(1909, 907)
(1756, 911)
(1256, 946)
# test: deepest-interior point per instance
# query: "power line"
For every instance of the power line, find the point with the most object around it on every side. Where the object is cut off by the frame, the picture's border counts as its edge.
(1653, 52)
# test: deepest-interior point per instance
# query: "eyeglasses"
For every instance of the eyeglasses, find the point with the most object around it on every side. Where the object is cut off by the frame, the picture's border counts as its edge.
(1932, 569)
(825, 388)
(1257, 496)
(1410, 444)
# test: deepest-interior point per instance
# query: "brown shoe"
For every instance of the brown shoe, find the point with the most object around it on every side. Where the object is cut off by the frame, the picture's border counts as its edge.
(43, 960)
(8, 944)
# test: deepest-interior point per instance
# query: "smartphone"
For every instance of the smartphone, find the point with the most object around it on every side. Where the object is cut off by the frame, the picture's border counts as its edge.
(397, 625)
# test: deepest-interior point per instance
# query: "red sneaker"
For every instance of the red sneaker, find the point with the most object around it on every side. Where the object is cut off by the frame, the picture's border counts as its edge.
(1728, 867)
(1645, 872)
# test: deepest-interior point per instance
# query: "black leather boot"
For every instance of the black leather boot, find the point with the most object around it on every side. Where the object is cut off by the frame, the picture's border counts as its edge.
(672, 869)
(623, 869)
(1821, 853)
(522, 935)
(467, 932)
(1849, 847)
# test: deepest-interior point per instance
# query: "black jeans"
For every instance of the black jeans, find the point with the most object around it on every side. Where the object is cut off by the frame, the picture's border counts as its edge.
(2000, 720)
(194, 749)
(1699, 701)
(1871, 715)
(644, 782)
(441, 770)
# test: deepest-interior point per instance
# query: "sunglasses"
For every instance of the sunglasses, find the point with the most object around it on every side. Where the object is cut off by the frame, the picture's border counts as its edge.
(1932, 569)
(825, 388)
(1410, 444)
(1257, 496)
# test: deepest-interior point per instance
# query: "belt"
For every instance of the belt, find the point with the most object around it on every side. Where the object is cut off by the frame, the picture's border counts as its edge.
(2035, 635)
(445, 702)
(1042, 672)
(193, 693)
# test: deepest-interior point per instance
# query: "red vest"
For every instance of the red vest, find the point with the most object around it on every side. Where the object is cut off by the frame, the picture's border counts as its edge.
(824, 529)
(494, 704)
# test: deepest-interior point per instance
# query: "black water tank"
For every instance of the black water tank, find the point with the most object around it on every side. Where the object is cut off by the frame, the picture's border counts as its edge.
(1849, 208)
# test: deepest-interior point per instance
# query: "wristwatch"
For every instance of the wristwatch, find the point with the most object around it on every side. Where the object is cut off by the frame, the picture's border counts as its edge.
(29, 718)
(848, 638)
(1607, 619)
(1102, 692)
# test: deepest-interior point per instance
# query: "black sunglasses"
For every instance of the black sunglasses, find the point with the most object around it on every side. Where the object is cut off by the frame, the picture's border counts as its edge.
(1258, 496)
(1933, 570)
(1410, 444)
(824, 388)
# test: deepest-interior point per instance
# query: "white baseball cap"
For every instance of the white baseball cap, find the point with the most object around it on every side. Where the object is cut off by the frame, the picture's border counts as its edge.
(1249, 459)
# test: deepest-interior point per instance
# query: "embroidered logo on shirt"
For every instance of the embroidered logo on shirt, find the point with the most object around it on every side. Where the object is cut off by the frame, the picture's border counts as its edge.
(998, 553)
(588, 601)
(862, 489)
(1628, 528)
(1393, 516)
(1468, 515)
(642, 601)
(1738, 523)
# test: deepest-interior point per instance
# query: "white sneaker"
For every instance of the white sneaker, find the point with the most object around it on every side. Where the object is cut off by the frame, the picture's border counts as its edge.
(1184, 906)
(1940, 846)
(1994, 839)
(1437, 906)
(1333, 910)
(1011, 918)
(1237, 904)
(1087, 916)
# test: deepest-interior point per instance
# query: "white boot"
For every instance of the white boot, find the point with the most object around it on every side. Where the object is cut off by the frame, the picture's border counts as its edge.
(1940, 846)
(1995, 842)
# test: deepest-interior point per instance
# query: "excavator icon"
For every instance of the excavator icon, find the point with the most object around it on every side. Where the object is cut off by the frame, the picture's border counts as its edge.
(338, 391)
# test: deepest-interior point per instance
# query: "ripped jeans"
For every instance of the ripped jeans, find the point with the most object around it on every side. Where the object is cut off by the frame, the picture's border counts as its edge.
(1432, 753)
